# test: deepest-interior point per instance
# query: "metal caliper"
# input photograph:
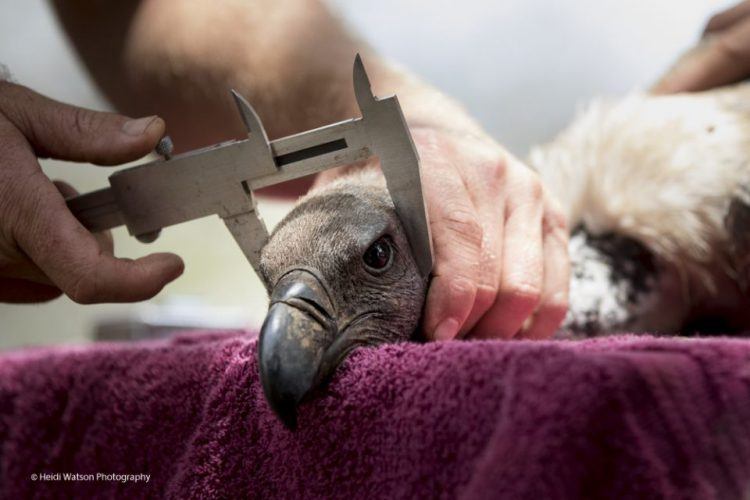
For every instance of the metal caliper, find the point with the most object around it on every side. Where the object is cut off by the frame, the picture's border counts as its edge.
(220, 179)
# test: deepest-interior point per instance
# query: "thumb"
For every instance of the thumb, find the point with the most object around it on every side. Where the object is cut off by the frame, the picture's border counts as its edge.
(68, 132)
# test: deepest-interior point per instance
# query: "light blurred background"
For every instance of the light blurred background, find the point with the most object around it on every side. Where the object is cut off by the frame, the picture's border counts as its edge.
(522, 67)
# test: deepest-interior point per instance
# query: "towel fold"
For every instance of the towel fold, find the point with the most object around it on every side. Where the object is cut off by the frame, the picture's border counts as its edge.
(621, 417)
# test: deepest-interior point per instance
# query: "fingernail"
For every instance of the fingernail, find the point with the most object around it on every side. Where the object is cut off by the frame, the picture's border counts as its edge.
(446, 330)
(137, 127)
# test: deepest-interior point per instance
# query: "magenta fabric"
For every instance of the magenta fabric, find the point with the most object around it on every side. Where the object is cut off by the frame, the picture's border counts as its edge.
(623, 417)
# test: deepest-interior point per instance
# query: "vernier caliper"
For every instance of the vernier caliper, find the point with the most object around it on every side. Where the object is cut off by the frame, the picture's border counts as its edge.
(220, 179)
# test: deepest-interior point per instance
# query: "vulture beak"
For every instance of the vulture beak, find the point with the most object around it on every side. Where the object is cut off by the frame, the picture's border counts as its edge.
(298, 348)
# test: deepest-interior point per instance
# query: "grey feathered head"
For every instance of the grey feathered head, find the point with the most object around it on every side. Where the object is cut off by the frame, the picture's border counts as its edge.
(340, 274)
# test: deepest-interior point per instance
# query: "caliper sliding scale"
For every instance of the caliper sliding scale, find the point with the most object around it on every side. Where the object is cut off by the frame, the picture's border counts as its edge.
(220, 179)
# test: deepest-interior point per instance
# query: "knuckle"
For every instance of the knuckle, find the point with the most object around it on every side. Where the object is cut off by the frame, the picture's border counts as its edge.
(496, 174)
(534, 187)
(521, 296)
(84, 289)
(555, 221)
(528, 192)
(462, 288)
(499, 168)
(465, 225)
(81, 121)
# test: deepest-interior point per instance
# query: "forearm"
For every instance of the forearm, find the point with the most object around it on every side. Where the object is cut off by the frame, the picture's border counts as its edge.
(292, 60)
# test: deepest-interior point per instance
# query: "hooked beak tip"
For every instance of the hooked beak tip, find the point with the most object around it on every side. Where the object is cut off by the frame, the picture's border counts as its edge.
(293, 341)
(287, 413)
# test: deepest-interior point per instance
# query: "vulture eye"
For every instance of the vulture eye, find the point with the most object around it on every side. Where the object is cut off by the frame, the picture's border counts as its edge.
(379, 256)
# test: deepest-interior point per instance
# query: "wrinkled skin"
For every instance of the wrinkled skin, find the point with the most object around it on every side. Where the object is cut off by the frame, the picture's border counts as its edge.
(324, 299)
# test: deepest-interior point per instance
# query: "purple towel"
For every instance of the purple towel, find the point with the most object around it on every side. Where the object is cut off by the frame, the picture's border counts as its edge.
(622, 417)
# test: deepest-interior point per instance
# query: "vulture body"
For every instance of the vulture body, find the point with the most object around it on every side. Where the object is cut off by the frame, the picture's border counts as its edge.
(654, 187)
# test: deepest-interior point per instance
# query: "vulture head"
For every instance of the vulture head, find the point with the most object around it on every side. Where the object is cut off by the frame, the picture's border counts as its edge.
(340, 274)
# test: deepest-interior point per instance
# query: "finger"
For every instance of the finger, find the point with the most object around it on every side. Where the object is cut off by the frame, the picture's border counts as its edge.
(72, 258)
(553, 304)
(522, 261)
(488, 197)
(24, 269)
(18, 291)
(71, 133)
(728, 18)
(104, 238)
(457, 237)
(720, 60)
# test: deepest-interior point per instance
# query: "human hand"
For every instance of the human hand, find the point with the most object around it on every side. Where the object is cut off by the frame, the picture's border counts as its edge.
(722, 57)
(501, 243)
(44, 250)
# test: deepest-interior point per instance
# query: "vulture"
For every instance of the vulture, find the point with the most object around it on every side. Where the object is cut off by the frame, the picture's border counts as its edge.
(656, 190)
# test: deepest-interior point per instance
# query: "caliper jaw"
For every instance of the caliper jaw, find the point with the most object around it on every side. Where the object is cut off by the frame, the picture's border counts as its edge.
(247, 227)
(220, 179)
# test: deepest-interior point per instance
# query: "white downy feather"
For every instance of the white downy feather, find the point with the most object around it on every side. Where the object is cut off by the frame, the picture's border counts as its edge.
(660, 169)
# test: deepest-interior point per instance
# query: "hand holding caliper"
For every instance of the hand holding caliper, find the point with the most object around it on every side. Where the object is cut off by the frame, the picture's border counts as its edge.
(489, 277)
(221, 179)
(44, 250)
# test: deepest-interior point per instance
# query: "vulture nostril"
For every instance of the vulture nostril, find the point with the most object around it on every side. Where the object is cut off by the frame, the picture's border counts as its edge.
(304, 286)
(322, 310)
(312, 308)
